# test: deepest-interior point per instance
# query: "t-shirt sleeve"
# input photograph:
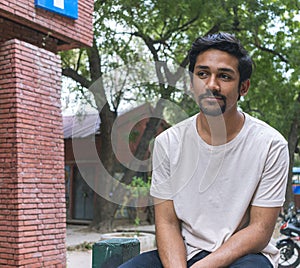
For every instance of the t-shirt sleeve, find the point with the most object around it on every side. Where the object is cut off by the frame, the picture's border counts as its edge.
(160, 183)
(272, 186)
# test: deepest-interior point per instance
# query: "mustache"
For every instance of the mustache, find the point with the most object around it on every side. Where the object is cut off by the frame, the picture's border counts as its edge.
(210, 93)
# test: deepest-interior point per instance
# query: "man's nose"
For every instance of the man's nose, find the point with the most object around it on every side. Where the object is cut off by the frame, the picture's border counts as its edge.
(213, 83)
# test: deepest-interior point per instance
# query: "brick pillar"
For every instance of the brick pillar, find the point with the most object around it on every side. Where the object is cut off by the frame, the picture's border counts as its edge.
(32, 189)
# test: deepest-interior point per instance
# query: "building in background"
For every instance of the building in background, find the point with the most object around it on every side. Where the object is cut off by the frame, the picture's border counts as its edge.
(79, 195)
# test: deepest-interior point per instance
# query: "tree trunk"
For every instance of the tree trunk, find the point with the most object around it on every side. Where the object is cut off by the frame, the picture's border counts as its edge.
(104, 210)
(292, 144)
(143, 146)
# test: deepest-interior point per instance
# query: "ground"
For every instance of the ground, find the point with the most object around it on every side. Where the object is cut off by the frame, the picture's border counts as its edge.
(81, 238)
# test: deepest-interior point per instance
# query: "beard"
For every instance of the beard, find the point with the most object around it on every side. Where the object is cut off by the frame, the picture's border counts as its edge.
(212, 107)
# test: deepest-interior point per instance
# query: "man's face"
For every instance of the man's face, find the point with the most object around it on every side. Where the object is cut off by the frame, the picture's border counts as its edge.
(216, 82)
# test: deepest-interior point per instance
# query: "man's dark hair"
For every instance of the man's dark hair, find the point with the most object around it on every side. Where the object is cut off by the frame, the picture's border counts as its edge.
(225, 42)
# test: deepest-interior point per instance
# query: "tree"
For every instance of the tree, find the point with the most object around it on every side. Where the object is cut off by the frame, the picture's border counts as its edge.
(130, 31)
(274, 96)
(158, 35)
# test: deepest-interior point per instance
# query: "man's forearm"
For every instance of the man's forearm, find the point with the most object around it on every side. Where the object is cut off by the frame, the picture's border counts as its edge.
(244, 242)
(171, 247)
(170, 244)
(251, 239)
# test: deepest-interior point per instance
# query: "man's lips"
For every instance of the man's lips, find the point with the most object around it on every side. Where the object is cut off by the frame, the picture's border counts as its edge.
(212, 98)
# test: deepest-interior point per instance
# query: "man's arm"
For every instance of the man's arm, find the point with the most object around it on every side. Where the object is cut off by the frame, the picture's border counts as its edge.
(251, 239)
(170, 245)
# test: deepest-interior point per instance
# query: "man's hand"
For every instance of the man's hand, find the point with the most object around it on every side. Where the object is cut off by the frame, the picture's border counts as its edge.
(252, 239)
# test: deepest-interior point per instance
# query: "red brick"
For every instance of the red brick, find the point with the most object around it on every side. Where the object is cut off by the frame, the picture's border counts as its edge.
(32, 155)
(25, 240)
(28, 250)
(30, 262)
(73, 32)
(6, 256)
(48, 248)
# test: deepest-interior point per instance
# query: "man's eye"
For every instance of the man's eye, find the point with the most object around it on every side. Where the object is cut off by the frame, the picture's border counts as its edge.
(202, 74)
(225, 76)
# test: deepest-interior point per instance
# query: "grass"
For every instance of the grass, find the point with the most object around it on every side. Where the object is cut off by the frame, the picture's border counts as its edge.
(85, 246)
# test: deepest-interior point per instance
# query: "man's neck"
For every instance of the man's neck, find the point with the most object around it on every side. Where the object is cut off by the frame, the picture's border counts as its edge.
(218, 130)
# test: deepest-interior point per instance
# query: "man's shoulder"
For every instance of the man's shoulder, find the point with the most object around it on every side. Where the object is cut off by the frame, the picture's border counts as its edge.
(261, 129)
(178, 129)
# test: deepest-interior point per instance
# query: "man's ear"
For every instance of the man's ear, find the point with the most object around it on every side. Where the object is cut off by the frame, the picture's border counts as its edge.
(245, 87)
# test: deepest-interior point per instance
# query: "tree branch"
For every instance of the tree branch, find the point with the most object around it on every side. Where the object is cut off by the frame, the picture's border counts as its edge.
(71, 73)
(94, 61)
(79, 60)
(179, 29)
(280, 56)
(149, 43)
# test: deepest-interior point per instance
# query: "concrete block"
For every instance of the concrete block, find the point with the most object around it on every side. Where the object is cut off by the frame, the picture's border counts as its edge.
(113, 252)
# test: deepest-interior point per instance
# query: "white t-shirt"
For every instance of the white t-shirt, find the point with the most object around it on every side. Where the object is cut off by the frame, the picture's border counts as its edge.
(213, 186)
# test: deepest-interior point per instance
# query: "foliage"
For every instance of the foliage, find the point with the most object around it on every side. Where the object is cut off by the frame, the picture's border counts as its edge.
(274, 89)
(132, 31)
(139, 187)
(85, 246)
(144, 39)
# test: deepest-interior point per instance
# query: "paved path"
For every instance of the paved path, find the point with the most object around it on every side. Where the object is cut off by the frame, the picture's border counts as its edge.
(79, 259)
(78, 234)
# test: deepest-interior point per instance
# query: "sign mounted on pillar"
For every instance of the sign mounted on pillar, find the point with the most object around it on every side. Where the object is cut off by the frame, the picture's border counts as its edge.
(68, 8)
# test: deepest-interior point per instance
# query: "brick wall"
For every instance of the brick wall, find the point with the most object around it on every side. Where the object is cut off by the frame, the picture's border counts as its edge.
(70, 33)
(32, 189)
(10, 30)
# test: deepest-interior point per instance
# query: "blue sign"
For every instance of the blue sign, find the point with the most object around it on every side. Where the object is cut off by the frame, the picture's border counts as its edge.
(68, 8)
(296, 189)
(296, 170)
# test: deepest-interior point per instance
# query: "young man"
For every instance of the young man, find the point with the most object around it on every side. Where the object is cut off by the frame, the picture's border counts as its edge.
(219, 177)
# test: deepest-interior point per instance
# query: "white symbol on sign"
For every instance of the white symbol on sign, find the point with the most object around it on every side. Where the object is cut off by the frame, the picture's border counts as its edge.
(59, 3)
